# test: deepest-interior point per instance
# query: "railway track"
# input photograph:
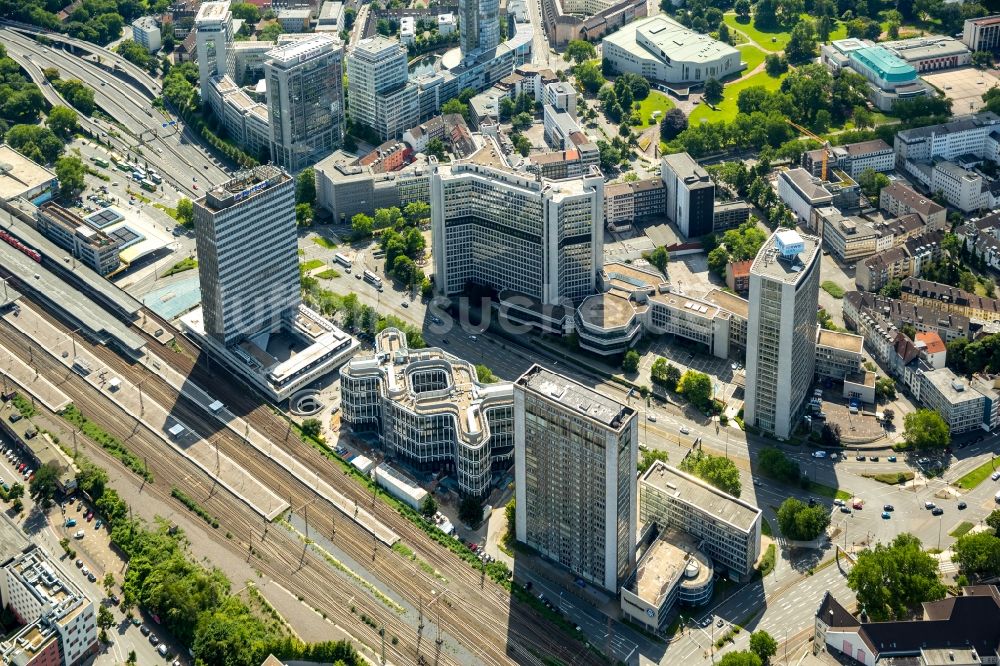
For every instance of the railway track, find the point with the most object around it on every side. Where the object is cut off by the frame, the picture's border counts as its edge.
(483, 621)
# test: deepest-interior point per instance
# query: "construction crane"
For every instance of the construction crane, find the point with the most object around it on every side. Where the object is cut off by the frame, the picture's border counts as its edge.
(826, 145)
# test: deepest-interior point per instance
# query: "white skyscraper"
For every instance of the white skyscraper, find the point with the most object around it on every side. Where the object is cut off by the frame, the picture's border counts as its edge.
(781, 334)
(213, 35)
(305, 99)
(575, 456)
(247, 254)
(511, 231)
(379, 93)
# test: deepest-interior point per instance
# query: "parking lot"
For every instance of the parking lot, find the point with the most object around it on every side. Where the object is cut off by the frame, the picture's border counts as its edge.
(964, 86)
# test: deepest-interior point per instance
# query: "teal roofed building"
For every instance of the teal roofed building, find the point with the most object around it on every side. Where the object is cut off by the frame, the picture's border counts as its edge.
(883, 68)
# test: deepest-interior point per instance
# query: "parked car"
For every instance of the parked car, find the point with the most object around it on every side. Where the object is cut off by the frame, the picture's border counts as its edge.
(79, 534)
(144, 630)
(71, 522)
(891, 458)
(888, 507)
(859, 458)
(874, 458)
(929, 505)
(962, 506)
(858, 505)
(98, 524)
(79, 563)
(995, 476)
(886, 515)
(937, 511)
(845, 509)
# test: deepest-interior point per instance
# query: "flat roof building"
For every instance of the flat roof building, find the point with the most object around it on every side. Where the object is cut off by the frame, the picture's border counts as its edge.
(24, 178)
(690, 195)
(575, 455)
(931, 52)
(982, 34)
(429, 409)
(781, 334)
(660, 49)
(727, 528)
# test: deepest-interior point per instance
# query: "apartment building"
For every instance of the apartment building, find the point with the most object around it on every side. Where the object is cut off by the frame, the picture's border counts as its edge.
(729, 214)
(899, 200)
(345, 188)
(247, 254)
(146, 33)
(60, 621)
(781, 336)
(91, 247)
(728, 528)
(903, 261)
(934, 350)
(690, 195)
(963, 135)
(305, 97)
(982, 34)
(430, 410)
(563, 132)
(625, 203)
(738, 276)
(951, 299)
(853, 158)
(848, 238)
(575, 455)
(514, 232)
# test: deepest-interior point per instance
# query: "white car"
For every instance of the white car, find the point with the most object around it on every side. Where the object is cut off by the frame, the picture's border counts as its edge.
(79, 534)
(819, 454)
(995, 476)
(651, 418)
(685, 431)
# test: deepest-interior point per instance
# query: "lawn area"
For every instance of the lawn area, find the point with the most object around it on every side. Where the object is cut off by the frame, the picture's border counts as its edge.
(765, 527)
(727, 109)
(655, 101)
(891, 478)
(310, 265)
(832, 288)
(961, 529)
(325, 242)
(976, 476)
(775, 40)
(185, 264)
(751, 55)
(828, 491)
(328, 274)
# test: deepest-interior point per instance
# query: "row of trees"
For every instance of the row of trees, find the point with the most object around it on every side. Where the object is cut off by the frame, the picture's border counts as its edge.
(193, 603)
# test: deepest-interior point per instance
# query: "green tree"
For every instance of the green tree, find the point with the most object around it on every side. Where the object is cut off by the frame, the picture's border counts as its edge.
(270, 32)
(713, 91)
(588, 74)
(740, 658)
(312, 428)
(775, 65)
(630, 362)
(872, 182)
(978, 555)
(925, 429)
(456, 106)
(763, 645)
(305, 184)
(70, 171)
(77, 94)
(132, 657)
(428, 507)
(982, 59)
(436, 148)
(885, 388)
(470, 511)
(185, 212)
(135, 53)
(801, 522)
(38, 143)
(648, 456)
(108, 583)
(993, 521)
(697, 388)
(16, 491)
(579, 51)
(521, 121)
(484, 374)
(659, 258)
(802, 43)
(62, 121)
(894, 289)
(892, 580)
(246, 11)
(742, 8)
(719, 471)
(665, 374)
(417, 212)
(44, 484)
(362, 225)
(105, 620)
(303, 214)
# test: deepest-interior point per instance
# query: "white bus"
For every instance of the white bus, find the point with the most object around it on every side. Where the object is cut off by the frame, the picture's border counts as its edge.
(373, 279)
(342, 260)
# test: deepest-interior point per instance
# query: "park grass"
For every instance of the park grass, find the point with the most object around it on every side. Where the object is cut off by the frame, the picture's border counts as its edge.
(310, 265)
(172, 212)
(767, 561)
(727, 108)
(184, 264)
(655, 101)
(770, 40)
(976, 476)
(891, 478)
(961, 529)
(328, 274)
(751, 55)
(765, 528)
(324, 242)
(832, 288)
(828, 491)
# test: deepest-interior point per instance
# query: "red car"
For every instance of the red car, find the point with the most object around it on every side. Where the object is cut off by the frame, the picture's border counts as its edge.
(473, 546)
(90, 516)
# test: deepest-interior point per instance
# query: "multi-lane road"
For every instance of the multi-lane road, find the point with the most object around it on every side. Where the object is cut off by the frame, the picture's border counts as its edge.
(137, 126)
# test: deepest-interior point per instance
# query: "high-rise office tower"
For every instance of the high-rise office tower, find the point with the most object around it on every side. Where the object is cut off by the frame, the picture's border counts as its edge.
(247, 254)
(305, 100)
(781, 334)
(379, 93)
(214, 37)
(479, 22)
(690, 195)
(575, 455)
(514, 232)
